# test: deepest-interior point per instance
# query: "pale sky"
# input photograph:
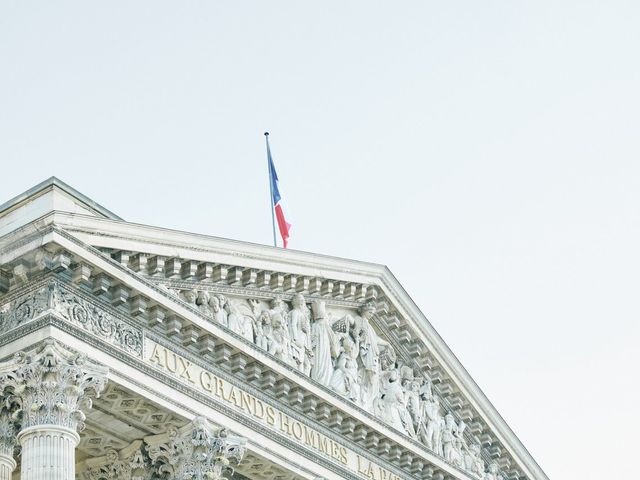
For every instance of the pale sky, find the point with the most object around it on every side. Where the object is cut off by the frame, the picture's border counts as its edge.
(487, 152)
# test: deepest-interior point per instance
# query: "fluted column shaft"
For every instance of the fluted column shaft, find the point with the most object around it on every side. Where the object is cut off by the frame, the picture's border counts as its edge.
(7, 466)
(48, 453)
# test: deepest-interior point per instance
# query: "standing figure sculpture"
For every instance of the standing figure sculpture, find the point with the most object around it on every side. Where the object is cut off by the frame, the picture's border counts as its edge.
(277, 306)
(300, 330)
(279, 338)
(430, 430)
(324, 344)
(203, 303)
(262, 329)
(217, 303)
(473, 461)
(459, 445)
(411, 388)
(369, 359)
(448, 437)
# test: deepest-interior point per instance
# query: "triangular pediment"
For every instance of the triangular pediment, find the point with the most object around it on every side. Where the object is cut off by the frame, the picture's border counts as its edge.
(175, 286)
(48, 196)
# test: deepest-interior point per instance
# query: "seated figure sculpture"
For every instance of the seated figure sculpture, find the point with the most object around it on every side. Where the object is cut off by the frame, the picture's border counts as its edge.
(345, 376)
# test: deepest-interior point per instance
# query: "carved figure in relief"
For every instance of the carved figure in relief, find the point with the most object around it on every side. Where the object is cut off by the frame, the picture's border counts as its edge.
(262, 329)
(411, 388)
(324, 344)
(369, 359)
(240, 323)
(277, 306)
(233, 318)
(394, 410)
(431, 423)
(472, 460)
(219, 315)
(300, 330)
(493, 473)
(447, 437)
(279, 338)
(407, 380)
(453, 440)
(345, 376)
(190, 297)
(202, 301)
(459, 445)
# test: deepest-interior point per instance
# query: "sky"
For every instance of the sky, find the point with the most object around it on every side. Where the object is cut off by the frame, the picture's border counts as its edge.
(487, 152)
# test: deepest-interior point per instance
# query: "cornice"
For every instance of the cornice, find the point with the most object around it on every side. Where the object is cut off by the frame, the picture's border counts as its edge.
(48, 185)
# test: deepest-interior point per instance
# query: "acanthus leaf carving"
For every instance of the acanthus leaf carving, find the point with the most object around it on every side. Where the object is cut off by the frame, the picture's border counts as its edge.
(130, 463)
(52, 385)
(195, 452)
(9, 424)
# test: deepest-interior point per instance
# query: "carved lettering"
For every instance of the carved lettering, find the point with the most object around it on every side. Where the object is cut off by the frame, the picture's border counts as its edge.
(271, 415)
(186, 374)
(172, 361)
(373, 471)
(158, 356)
(207, 381)
(217, 387)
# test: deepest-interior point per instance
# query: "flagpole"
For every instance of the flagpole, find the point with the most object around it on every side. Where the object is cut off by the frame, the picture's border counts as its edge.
(273, 218)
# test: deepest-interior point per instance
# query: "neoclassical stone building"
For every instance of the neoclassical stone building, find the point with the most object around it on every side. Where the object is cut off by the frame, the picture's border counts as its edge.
(137, 352)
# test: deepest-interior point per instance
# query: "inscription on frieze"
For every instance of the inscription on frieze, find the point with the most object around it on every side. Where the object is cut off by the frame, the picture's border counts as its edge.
(222, 391)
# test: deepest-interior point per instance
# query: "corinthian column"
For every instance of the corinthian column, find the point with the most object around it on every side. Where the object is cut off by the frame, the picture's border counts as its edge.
(52, 386)
(195, 452)
(7, 437)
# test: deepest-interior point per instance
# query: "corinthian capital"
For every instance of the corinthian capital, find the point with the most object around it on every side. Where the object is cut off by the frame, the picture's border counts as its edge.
(130, 463)
(8, 425)
(195, 452)
(52, 385)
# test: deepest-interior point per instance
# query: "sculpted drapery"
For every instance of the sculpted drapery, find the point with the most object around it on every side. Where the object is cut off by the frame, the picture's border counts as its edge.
(324, 344)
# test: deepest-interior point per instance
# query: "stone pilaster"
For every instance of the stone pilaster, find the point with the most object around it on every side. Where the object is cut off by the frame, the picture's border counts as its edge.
(195, 452)
(52, 386)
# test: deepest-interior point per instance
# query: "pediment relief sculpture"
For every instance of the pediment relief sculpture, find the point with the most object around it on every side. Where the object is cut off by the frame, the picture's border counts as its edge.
(344, 352)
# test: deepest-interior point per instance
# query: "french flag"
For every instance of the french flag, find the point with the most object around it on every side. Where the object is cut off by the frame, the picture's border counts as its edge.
(282, 214)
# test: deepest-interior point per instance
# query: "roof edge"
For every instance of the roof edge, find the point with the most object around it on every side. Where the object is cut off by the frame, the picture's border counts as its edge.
(52, 182)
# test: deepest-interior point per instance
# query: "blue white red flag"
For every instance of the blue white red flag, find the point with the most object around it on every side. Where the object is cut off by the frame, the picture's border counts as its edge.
(282, 215)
